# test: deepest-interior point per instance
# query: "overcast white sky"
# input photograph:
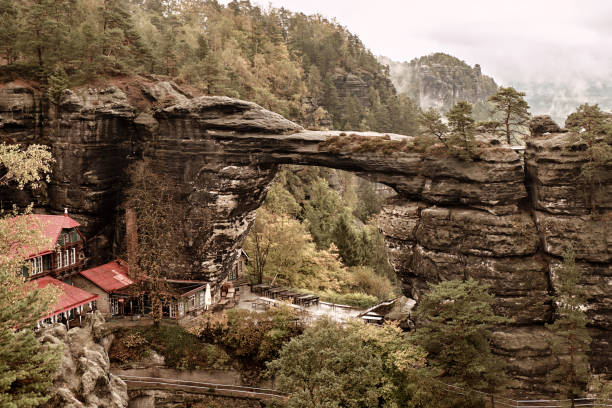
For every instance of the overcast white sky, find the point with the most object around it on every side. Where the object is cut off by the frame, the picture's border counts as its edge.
(513, 40)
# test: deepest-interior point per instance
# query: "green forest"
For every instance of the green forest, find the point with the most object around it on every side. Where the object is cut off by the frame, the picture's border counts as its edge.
(317, 232)
(290, 63)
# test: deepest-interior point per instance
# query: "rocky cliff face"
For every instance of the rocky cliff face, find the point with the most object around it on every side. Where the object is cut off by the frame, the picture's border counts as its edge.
(502, 219)
(439, 81)
(84, 379)
(515, 251)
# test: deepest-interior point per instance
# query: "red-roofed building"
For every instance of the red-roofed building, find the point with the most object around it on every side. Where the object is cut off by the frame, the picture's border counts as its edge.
(63, 256)
(73, 302)
(107, 281)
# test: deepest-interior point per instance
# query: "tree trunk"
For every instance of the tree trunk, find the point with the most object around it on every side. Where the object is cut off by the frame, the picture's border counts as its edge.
(507, 123)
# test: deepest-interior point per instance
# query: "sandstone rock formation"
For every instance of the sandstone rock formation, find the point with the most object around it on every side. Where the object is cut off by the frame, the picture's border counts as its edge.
(503, 219)
(440, 80)
(84, 379)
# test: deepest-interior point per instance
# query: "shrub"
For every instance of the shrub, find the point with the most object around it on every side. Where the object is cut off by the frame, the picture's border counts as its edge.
(181, 349)
(370, 282)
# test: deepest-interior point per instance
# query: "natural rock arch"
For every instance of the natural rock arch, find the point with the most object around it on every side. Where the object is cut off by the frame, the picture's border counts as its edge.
(503, 220)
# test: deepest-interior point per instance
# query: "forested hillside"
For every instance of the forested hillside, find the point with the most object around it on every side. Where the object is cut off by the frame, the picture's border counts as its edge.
(310, 69)
(440, 81)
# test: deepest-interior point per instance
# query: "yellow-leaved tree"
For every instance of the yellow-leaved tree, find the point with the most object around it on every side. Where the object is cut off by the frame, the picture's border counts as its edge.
(26, 366)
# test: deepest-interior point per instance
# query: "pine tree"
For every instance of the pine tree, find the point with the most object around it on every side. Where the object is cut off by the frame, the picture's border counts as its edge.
(8, 30)
(461, 124)
(572, 339)
(26, 368)
(45, 31)
(322, 212)
(453, 322)
(349, 242)
(593, 128)
(514, 111)
(431, 124)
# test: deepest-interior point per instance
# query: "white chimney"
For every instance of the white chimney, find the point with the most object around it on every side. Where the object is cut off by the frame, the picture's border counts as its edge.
(66, 212)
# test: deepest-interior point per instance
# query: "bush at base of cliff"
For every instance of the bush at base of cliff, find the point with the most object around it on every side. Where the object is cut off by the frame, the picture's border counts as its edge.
(252, 338)
(180, 349)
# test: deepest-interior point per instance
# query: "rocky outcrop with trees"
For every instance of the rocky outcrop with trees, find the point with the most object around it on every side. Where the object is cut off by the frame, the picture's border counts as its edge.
(440, 80)
(497, 217)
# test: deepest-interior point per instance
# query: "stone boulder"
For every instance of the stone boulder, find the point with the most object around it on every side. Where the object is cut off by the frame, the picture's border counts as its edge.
(542, 124)
(84, 379)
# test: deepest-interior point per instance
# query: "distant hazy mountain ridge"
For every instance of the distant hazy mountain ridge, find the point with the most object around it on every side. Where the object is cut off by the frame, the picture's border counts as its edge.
(559, 99)
(440, 80)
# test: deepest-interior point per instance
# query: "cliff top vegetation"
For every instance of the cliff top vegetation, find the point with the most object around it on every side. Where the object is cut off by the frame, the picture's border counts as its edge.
(308, 68)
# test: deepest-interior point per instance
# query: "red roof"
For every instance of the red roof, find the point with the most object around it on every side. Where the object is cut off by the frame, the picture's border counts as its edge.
(70, 298)
(52, 226)
(110, 277)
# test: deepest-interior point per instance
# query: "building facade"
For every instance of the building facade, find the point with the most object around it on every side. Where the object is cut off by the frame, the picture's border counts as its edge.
(63, 256)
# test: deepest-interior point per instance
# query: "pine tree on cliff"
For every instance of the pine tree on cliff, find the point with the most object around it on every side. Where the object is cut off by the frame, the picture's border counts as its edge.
(572, 340)
(462, 130)
(45, 31)
(431, 124)
(453, 322)
(514, 110)
(8, 30)
(593, 128)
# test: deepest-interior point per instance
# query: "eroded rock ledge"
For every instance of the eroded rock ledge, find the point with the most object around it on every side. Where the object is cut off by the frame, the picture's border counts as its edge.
(503, 219)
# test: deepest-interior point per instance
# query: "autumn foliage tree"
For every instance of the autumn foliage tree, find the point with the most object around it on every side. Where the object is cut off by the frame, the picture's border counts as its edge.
(26, 367)
(159, 221)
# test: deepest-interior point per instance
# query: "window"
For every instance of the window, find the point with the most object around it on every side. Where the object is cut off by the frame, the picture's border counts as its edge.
(233, 275)
(172, 311)
(73, 256)
(36, 265)
(181, 308)
(67, 257)
(66, 239)
(74, 236)
(114, 306)
(192, 302)
(202, 296)
(58, 256)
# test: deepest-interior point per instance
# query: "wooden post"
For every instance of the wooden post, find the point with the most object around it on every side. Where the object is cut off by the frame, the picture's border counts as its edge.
(492, 401)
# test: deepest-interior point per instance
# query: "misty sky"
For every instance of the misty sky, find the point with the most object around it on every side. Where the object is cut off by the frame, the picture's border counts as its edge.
(520, 40)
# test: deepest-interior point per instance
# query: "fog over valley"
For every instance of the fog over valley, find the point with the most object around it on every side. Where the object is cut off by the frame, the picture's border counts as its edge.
(558, 52)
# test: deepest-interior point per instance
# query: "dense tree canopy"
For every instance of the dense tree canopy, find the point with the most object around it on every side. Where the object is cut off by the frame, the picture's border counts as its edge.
(454, 319)
(347, 366)
(290, 63)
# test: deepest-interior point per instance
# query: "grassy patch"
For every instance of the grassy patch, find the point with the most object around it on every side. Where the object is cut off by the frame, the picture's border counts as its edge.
(355, 143)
